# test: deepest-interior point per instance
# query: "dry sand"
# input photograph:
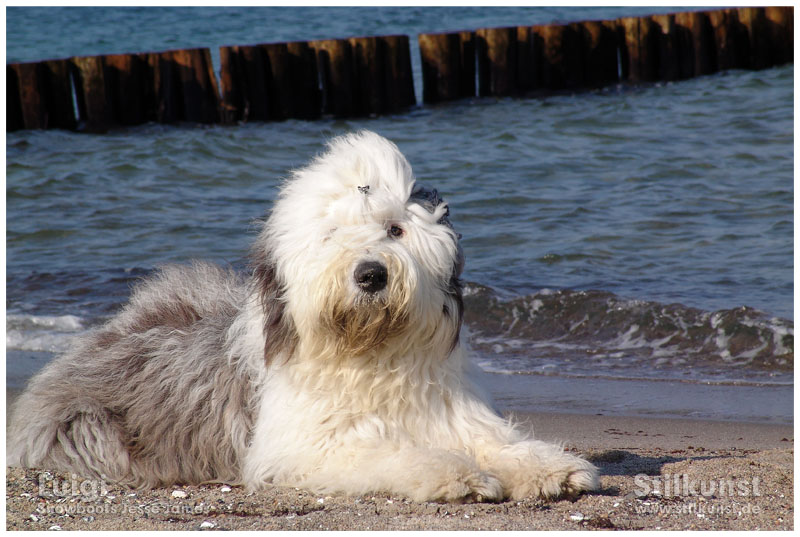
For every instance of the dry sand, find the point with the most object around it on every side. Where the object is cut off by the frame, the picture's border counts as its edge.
(753, 461)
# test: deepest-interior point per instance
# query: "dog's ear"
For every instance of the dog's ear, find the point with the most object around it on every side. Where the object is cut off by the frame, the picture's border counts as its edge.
(280, 335)
(455, 291)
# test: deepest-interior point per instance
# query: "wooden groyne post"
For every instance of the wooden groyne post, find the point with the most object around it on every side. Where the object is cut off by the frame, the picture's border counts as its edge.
(367, 76)
(584, 55)
(448, 66)
(39, 96)
(359, 76)
(269, 82)
(96, 93)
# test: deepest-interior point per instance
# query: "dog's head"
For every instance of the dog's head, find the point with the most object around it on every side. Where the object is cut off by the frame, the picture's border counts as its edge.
(360, 255)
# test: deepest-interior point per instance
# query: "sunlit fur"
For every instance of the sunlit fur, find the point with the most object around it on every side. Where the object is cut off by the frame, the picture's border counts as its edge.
(295, 375)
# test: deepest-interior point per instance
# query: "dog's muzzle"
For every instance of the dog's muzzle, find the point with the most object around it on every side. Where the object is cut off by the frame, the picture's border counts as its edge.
(371, 276)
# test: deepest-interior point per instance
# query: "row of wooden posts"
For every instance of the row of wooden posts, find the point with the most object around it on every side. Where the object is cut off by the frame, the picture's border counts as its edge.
(112, 90)
(372, 75)
(582, 55)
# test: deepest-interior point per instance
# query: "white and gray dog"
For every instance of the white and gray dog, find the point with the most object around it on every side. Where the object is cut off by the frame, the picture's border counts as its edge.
(335, 365)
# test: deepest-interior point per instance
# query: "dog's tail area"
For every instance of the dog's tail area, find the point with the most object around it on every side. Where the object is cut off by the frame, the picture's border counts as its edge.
(38, 437)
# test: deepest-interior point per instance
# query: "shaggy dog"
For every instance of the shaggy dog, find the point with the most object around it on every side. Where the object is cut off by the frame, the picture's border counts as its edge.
(335, 365)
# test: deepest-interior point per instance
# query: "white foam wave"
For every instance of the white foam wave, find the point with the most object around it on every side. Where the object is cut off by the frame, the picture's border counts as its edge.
(57, 322)
(42, 333)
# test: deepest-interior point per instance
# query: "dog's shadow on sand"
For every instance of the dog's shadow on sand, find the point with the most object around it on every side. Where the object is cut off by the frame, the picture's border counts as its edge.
(621, 462)
(617, 462)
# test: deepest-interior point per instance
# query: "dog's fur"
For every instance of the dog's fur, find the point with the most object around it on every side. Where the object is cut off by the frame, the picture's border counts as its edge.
(296, 375)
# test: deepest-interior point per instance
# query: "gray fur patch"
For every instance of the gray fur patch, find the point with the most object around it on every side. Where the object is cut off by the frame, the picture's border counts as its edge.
(279, 331)
(430, 199)
(150, 398)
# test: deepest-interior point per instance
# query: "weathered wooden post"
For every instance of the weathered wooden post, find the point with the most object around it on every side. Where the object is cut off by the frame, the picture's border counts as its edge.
(468, 81)
(372, 75)
(563, 62)
(273, 81)
(528, 68)
(780, 29)
(303, 82)
(629, 27)
(601, 62)
(771, 34)
(197, 85)
(149, 86)
(167, 107)
(255, 82)
(699, 39)
(382, 80)
(90, 90)
(730, 38)
(496, 50)
(39, 96)
(126, 83)
(292, 84)
(278, 88)
(335, 63)
(28, 90)
(672, 63)
(399, 80)
(231, 80)
(754, 21)
(57, 90)
(14, 119)
(448, 66)
(369, 90)
(641, 48)
(440, 65)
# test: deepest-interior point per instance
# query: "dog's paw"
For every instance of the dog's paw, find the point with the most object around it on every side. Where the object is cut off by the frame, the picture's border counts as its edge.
(483, 487)
(582, 479)
(566, 476)
(474, 486)
(456, 479)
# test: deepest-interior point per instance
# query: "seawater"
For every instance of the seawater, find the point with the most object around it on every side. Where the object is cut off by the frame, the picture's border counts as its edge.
(640, 235)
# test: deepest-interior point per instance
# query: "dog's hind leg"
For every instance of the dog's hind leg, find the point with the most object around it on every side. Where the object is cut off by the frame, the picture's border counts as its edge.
(93, 445)
(90, 443)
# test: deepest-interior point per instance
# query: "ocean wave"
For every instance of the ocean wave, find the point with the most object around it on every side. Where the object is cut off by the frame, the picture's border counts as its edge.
(557, 332)
(599, 333)
(42, 333)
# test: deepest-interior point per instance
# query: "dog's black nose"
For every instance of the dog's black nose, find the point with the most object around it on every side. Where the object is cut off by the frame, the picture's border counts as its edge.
(371, 276)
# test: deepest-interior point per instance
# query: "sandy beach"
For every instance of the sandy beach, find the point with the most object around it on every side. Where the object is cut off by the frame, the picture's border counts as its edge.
(655, 474)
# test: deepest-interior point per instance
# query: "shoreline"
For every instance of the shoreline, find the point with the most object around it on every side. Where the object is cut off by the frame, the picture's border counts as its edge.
(656, 473)
(642, 398)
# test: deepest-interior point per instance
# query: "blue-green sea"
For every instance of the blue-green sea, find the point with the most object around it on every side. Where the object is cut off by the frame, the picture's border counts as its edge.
(640, 235)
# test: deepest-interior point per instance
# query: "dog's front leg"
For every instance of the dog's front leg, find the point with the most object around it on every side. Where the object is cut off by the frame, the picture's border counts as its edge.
(422, 474)
(539, 469)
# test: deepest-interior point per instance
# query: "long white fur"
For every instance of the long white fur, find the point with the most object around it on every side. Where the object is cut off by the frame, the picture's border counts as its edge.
(294, 375)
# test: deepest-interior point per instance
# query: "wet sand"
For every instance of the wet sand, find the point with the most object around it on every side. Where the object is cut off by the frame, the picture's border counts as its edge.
(655, 474)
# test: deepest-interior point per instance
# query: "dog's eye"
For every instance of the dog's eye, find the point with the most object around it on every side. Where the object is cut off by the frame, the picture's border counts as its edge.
(395, 231)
